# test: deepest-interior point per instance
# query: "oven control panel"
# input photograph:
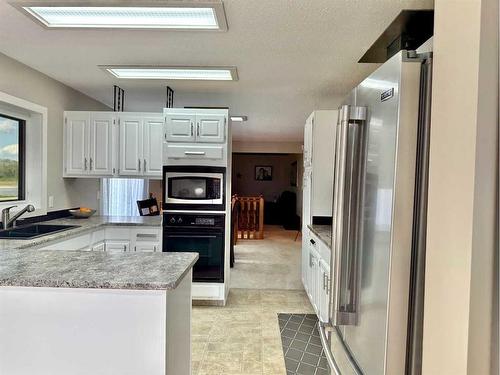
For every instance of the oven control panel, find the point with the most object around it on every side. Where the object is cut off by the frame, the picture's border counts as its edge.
(193, 220)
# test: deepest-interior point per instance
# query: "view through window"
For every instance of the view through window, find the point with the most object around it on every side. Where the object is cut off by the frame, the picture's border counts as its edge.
(11, 158)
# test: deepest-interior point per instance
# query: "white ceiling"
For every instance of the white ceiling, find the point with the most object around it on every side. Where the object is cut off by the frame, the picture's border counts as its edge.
(293, 56)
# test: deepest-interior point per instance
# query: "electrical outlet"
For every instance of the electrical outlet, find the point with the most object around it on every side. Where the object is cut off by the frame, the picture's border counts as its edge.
(51, 201)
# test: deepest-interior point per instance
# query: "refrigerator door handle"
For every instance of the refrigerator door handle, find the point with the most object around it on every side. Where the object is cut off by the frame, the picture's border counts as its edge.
(349, 173)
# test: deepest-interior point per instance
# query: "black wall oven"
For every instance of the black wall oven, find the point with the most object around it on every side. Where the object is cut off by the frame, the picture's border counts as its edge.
(194, 188)
(200, 233)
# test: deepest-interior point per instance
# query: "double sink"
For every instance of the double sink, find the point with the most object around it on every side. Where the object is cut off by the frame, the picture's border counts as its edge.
(28, 232)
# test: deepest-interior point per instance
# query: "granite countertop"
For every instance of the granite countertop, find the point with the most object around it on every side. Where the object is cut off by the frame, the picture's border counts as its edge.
(85, 225)
(324, 233)
(88, 269)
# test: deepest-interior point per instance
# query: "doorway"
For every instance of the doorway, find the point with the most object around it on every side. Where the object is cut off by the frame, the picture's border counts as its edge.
(271, 262)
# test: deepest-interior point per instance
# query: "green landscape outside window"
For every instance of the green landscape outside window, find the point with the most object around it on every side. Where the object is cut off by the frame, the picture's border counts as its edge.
(11, 158)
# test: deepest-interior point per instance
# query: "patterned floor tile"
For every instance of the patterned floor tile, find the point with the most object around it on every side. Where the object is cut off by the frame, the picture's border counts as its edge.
(301, 344)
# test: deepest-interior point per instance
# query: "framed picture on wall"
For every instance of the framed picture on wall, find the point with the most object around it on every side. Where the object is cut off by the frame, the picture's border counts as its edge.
(263, 173)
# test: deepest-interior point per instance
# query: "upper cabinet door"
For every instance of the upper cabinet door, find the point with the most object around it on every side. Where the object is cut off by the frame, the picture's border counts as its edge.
(131, 161)
(210, 128)
(77, 143)
(153, 146)
(101, 143)
(180, 128)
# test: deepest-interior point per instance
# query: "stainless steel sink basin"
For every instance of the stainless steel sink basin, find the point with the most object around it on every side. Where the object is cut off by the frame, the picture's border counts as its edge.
(28, 232)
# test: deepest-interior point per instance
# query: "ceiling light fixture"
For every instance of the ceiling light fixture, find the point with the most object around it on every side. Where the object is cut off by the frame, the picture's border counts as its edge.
(161, 15)
(173, 73)
(239, 118)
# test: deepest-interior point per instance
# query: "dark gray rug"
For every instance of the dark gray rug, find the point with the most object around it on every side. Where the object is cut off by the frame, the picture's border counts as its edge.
(302, 348)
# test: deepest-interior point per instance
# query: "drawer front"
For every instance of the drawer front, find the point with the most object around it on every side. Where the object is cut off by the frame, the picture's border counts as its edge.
(76, 243)
(195, 152)
(147, 247)
(117, 246)
(118, 233)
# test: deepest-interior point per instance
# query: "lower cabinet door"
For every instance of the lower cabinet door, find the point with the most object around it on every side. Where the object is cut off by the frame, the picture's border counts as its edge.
(117, 246)
(324, 295)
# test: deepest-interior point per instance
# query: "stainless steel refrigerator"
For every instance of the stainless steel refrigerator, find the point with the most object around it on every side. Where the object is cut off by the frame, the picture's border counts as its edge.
(379, 220)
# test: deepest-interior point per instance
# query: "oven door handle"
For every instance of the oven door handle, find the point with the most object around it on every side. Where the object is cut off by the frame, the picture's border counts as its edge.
(181, 236)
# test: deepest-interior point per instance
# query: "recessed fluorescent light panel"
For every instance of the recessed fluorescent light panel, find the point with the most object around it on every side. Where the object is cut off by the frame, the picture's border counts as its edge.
(200, 16)
(174, 73)
(239, 118)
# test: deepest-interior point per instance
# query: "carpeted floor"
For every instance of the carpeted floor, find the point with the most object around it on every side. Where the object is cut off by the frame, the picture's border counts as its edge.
(271, 263)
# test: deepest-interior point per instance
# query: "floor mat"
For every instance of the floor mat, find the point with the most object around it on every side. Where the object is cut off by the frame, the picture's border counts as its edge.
(302, 348)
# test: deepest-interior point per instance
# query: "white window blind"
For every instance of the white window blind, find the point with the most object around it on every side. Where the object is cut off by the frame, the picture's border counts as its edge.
(120, 196)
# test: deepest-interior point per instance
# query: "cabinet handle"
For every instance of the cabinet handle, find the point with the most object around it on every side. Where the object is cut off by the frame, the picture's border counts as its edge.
(90, 163)
(124, 247)
(312, 242)
(135, 248)
(198, 129)
(144, 165)
(192, 127)
(194, 153)
(327, 285)
(114, 170)
(139, 163)
(154, 248)
(324, 280)
(85, 166)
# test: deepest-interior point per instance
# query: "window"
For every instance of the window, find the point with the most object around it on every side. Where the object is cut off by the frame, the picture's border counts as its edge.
(12, 148)
(120, 196)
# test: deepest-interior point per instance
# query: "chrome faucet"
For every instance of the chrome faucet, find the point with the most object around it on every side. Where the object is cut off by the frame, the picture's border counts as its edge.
(8, 221)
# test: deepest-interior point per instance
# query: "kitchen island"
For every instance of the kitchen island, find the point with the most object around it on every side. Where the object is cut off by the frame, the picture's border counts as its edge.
(88, 312)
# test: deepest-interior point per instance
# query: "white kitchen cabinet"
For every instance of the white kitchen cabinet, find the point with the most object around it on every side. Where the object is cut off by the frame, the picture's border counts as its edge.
(141, 142)
(130, 145)
(196, 152)
(77, 133)
(101, 143)
(81, 242)
(324, 291)
(317, 275)
(88, 143)
(113, 239)
(196, 136)
(180, 127)
(111, 144)
(313, 279)
(153, 146)
(210, 128)
(195, 127)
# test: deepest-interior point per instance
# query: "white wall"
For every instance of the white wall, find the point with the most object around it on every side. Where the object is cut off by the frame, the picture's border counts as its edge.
(460, 319)
(244, 182)
(21, 81)
(268, 147)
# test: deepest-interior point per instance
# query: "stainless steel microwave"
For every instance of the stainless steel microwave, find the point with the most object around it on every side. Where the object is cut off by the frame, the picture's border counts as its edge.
(194, 188)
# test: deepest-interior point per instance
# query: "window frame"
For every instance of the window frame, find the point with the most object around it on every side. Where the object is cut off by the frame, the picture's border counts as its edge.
(21, 181)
